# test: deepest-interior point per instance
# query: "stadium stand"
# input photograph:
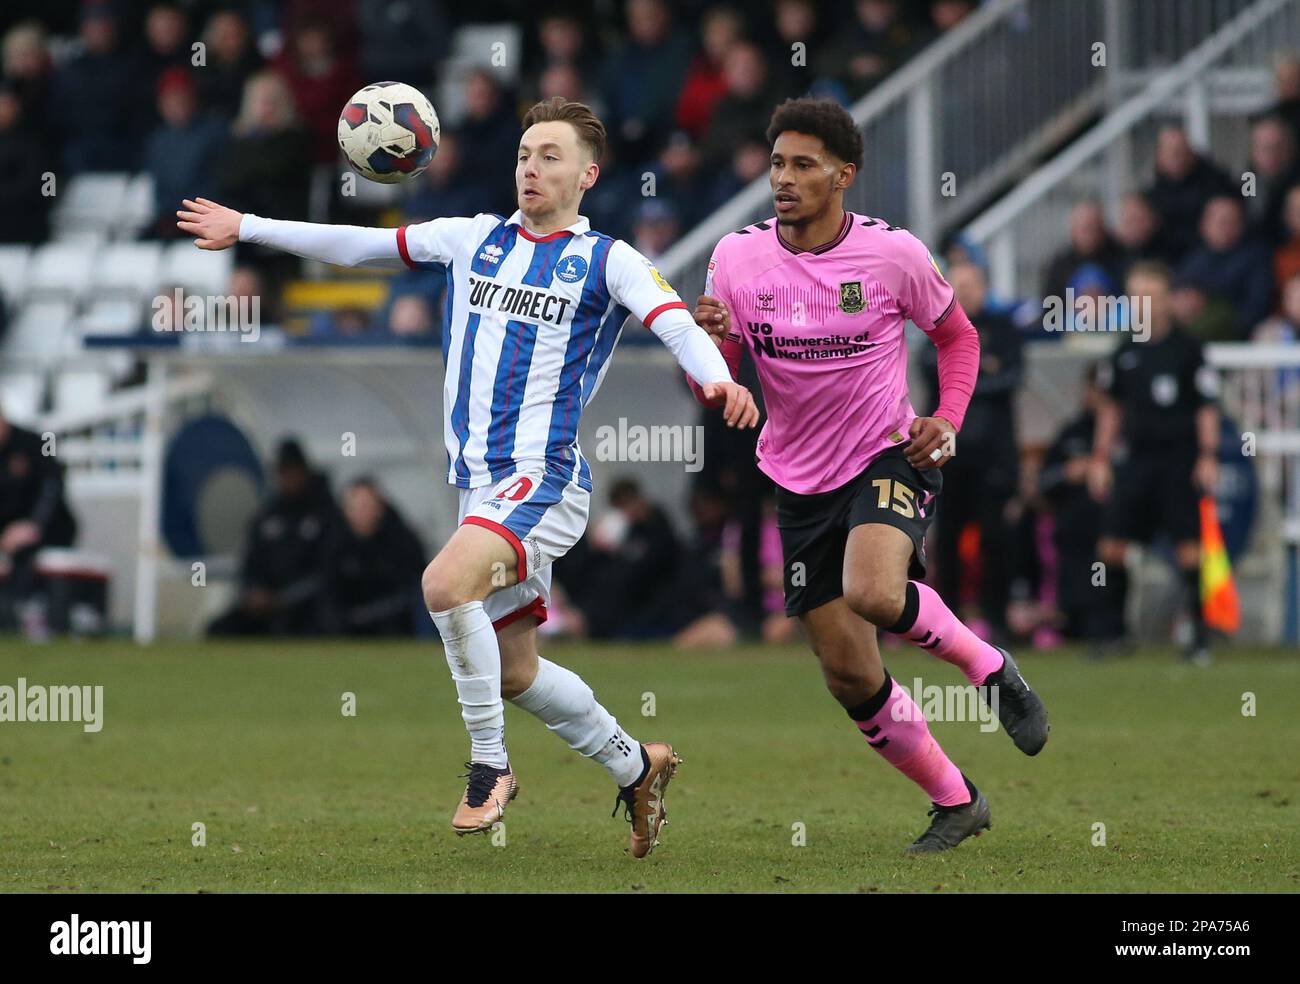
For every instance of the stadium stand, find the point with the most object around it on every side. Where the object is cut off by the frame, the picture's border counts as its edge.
(1028, 130)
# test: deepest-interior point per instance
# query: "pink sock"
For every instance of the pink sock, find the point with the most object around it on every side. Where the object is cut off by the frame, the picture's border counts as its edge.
(898, 731)
(937, 630)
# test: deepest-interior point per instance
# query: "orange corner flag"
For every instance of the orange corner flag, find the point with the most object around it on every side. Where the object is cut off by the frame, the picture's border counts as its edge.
(1218, 590)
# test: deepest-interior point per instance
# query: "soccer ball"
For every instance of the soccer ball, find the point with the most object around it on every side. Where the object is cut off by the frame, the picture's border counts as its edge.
(388, 132)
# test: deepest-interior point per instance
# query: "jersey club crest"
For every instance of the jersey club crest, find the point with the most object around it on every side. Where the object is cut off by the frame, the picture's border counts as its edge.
(851, 299)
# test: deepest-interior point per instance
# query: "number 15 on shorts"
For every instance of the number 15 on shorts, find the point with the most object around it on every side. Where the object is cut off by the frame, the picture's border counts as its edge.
(891, 494)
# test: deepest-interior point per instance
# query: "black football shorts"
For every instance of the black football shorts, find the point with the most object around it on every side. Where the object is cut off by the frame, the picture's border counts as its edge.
(1153, 494)
(815, 528)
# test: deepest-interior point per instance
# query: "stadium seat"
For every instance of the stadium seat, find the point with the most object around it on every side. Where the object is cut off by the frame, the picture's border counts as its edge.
(199, 270)
(20, 396)
(41, 331)
(90, 201)
(62, 269)
(113, 316)
(14, 262)
(127, 268)
(80, 390)
(137, 206)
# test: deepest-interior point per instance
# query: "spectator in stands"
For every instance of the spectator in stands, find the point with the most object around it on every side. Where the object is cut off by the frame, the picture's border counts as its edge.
(680, 179)
(564, 80)
(444, 189)
(371, 568)
(718, 617)
(721, 29)
(947, 14)
(1286, 86)
(100, 101)
(1089, 284)
(181, 151)
(625, 568)
(23, 164)
(167, 41)
(28, 71)
(249, 287)
(33, 514)
(1286, 259)
(1184, 182)
(877, 42)
(410, 319)
(230, 61)
(1139, 235)
(743, 113)
(750, 160)
(402, 40)
(642, 79)
(988, 462)
(321, 82)
(1199, 315)
(1284, 326)
(1090, 244)
(1076, 515)
(403, 322)
(348, 325)
(262, 170)
(563, 47)
(606, 203)
(491, 128)
(794, 22)
(1275, 168)
(1231, 266)
(657, 228)
(281, 574)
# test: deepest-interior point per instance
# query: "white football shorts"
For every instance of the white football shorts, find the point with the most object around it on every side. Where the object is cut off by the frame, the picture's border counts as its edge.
(542, 515)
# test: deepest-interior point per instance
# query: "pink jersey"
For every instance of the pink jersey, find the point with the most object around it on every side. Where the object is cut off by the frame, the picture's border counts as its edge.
(825, 330)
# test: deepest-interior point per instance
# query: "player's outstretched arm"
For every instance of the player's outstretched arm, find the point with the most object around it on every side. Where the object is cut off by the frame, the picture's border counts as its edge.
(214, 226)
(711, 314)
(637, 285)
(697, 353)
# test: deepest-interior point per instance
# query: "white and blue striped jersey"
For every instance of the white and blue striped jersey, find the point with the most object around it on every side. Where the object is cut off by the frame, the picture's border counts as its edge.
(529, 328)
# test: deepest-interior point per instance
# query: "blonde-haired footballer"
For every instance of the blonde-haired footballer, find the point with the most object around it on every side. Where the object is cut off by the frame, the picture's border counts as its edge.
(535, 305)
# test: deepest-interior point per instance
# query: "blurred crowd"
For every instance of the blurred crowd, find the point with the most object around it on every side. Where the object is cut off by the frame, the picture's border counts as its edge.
(316, 565)
(686, 90)
(239, 102)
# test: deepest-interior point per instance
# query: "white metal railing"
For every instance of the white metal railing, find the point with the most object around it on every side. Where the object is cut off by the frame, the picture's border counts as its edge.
(1026, 227)
(1261, 393)
(978, 106)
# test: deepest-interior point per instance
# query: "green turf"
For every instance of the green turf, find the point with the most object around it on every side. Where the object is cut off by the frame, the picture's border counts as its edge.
(250, 740)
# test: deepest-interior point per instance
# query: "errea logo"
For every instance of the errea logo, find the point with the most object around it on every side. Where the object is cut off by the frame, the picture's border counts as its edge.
(102, 938)
(491, 254)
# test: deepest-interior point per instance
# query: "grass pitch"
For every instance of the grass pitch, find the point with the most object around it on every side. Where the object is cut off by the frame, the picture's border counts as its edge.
(251, 741)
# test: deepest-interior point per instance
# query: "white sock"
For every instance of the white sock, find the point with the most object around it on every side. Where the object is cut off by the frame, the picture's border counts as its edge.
(475, 662)
(560, 699)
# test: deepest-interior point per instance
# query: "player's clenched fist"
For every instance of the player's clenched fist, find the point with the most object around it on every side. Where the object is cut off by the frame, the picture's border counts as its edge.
(712, 315)
(739, 409)
(934, 441)
(213, 226)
